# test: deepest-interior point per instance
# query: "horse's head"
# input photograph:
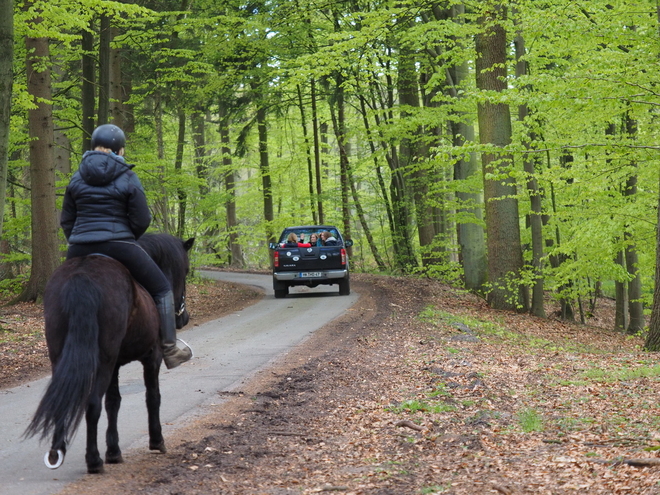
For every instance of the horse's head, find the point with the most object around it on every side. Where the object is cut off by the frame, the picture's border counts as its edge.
(171, 255)
(178, 280)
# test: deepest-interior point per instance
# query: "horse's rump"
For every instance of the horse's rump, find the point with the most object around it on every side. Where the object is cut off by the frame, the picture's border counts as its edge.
(124, 307)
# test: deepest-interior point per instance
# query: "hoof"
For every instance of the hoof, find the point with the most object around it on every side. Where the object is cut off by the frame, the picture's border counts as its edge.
(96, 469)
(114, 459)
(54, 459)
(160, 447)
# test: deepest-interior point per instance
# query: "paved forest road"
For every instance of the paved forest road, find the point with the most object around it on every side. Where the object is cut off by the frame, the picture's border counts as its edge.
(227, 351)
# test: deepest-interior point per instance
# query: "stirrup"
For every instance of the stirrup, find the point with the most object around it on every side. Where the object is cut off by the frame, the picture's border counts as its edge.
(192, 353)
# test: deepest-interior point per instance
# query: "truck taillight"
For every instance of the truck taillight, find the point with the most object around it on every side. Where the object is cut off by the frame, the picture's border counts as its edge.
(276, 259)
(343, 256)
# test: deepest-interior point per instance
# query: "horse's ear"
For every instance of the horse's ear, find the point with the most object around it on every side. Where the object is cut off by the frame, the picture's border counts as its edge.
(189, 243)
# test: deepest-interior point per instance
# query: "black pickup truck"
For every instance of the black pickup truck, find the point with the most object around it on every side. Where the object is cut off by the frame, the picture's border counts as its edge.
(304, 264)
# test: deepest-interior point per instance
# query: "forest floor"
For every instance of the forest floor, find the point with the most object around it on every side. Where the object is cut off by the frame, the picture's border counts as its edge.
(419, 389)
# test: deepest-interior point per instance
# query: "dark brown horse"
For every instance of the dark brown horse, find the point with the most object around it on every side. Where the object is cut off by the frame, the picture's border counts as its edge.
(97, 320)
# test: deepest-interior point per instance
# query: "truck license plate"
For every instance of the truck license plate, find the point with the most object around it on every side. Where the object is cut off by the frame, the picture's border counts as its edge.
(309, 274)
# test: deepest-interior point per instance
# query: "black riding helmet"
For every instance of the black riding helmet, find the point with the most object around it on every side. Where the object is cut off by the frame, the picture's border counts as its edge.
(108, 136)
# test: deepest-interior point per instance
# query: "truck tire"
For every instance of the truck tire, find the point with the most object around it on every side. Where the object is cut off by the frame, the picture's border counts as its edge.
(280, 288)
(345, 287)
(281, 293)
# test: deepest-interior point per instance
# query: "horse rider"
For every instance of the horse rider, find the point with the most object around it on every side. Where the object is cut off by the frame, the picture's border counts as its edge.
(105, 211)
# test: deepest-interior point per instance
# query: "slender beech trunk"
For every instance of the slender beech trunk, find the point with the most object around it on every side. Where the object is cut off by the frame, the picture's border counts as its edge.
(105, 38)
(308, 152)
(410, 157)
(529, 163)
(356, 200)
(161, 206)
(379, 174)
(556, 260)
(317, 153)
(88, 100)
(230, 180)
(471, 238)
(264, 169)
(635, 307)
(620, 297)
(199, 143)
(401, 221)
(116, 103)
(338, 113)
(178, 162)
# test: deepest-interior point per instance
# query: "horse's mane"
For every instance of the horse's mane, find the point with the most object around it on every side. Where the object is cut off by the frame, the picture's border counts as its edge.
(165, 249)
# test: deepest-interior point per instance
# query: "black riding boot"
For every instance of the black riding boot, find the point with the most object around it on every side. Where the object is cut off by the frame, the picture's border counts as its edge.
(172, 355)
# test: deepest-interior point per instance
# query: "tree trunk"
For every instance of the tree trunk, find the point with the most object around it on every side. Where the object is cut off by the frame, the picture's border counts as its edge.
(178, 162)
(6, 84)
(377, 167)
(652, 342)
(636, 320)
(116, 103)
(88, 100)
(337, 124)
(365, 225)
(308, 153)
(471, 238)
(161, 205)
(503, 239)
(317, 153)
(230, 180)
(264, 168)
(62, 148)
(620, 297)
(199, 142)
(410, 157)
(45, 244)
(536, 223)
(400, 222)
(105, 38)
(338, 113)
(635, 306)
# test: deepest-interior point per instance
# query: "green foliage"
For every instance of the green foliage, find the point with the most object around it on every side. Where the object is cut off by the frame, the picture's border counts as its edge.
(530, 420)
(12, 286)
(591, 71)
(413, 406)
(497, 332)
(624, 374)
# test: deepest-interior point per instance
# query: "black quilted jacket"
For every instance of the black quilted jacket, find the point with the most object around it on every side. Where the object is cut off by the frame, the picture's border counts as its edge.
(104, 201)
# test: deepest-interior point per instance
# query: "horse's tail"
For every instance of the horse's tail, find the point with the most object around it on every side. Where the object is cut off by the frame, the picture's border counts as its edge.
(64, 403)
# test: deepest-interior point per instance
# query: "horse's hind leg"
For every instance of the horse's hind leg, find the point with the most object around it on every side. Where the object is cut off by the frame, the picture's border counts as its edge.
(94, 408)
(92, 457)
(151, 369)
(55, 457)
(112, 404)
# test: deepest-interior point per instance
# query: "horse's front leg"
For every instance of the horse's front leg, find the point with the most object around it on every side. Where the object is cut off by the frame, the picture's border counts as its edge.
(151, 369)
(112, 404)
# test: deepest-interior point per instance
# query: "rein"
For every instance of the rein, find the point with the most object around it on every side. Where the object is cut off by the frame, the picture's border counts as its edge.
(182, 308)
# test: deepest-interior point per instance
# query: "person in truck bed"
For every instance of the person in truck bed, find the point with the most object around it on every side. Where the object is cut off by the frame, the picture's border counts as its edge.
(314, 240)
(292, 241)
(328, 239)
